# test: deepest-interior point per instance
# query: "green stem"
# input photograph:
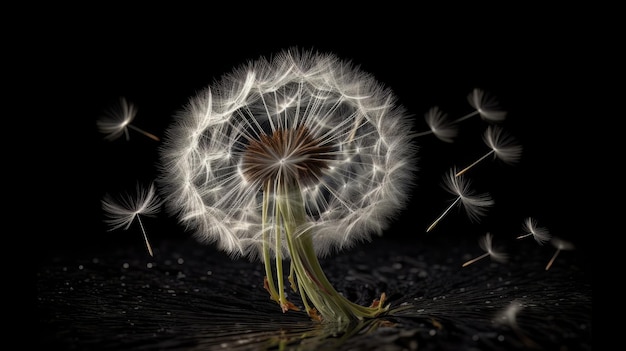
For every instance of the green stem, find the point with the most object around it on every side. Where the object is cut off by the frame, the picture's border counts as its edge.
(269, 276)
(310, 280)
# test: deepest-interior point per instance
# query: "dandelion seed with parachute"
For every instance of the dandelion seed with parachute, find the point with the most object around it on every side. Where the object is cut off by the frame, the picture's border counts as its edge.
(116, 121)
(503, 147)
(508, 316)
(485, 105)
(475, 205)
(439, 125)
(122, 211)
(540, 234)
(560, 245)
(485, 243)
(291, 158)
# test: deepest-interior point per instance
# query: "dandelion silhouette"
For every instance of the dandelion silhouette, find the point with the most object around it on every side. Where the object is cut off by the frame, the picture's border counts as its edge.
(540, 234)
(475, 205)
(122, 211)
(485, 105)
(485, 243)
(560, 245)
(116, 121)
(291, 158)
(503, 146)
(439, 125)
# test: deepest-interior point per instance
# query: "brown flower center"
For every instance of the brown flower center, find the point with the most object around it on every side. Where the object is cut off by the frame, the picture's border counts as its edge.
(288, 156)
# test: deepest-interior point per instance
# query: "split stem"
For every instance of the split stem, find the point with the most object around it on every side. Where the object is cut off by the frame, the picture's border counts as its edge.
(306, 273)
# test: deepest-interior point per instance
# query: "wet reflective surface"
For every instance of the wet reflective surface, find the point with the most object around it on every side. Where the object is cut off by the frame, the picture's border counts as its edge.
(191, 297)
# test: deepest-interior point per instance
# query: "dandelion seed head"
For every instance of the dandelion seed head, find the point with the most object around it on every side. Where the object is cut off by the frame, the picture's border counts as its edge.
(440, 126)
(113, 123)
(122, 210)
(487, 106)
(561, 244)
(301, 119)
(486, 243)
(508, 315)
(475, 205)
(540, 234)
(504, 146)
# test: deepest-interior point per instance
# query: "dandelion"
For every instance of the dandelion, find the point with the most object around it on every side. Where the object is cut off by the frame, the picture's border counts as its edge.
(485, 243)
(560, 245)
(439, 125)
(485, 105)
(291, 158)
(122, 211)
(503, 147)
(508, 316)
(117, 120)
(475, 205)
(540, 234)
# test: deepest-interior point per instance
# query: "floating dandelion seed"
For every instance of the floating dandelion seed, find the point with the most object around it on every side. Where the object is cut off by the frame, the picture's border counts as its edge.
(116, 121)
(439, 125)
(540, 234)
(475, 205)
(560, 245)
(485, 105)
(503, 146)
(485, 243)
(122, 211)
(291, 158)
(508, 316)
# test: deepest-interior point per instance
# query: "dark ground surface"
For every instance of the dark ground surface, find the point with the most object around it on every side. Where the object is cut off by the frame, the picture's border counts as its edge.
(191, 297)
